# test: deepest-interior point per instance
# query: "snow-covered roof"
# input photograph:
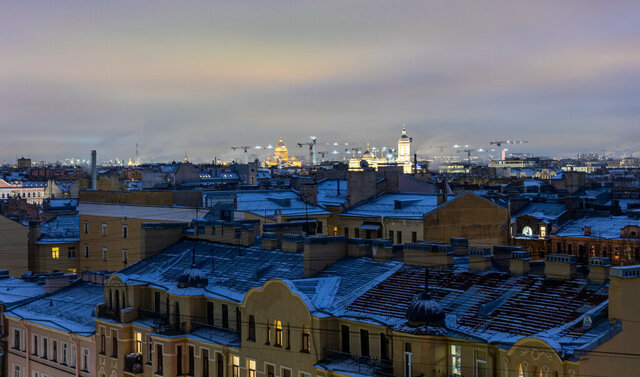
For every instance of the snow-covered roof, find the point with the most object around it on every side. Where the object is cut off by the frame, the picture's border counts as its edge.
(601, 227)
(237, 270)
(543, 211)
(62, 204)
(328, 192)
(70, 309)
(267, 202)
(14, 290)
(493, 306)
(403, 206)
(60, 229)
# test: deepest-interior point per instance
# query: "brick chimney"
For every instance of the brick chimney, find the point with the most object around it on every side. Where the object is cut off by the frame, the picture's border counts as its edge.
(480, 259)
(560, 266)
(428, 254)
(519, 262)
(322, 251)
(599, 269)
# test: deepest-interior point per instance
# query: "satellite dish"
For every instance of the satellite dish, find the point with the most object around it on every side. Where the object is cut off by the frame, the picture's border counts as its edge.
(364, 164)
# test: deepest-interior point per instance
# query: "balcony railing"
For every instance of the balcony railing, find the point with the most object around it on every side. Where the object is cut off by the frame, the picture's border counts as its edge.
(383, 368)
(162, 323)
(105, 312)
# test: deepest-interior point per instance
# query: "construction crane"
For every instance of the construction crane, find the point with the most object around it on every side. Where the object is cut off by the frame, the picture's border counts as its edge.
(499, 143)
(468, 151)
(312, 150)
(245, 148)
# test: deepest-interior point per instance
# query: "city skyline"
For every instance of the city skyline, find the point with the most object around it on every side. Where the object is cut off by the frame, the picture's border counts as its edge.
(202, 77)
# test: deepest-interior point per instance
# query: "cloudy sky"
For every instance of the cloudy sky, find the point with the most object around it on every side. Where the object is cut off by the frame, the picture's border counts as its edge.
(203, 76)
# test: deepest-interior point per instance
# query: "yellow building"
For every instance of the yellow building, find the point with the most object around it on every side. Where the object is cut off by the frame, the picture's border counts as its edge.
(191, 310)
(372, 158)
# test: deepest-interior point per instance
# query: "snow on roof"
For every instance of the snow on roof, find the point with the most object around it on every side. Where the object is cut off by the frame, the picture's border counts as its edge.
(328, 192)
(13, 290)
(70, 309)
(601, 227)
(403, 206)
(543, 211)
(267, 202)
(60, 229)
(494, 306)
(62, 204)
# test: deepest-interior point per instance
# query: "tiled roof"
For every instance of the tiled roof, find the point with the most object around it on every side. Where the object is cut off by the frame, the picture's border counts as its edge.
(498, 307)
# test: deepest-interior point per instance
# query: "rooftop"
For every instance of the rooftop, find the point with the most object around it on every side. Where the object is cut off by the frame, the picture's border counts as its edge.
(543, 211)
(60, 229)
(404, 206)
(601, 227)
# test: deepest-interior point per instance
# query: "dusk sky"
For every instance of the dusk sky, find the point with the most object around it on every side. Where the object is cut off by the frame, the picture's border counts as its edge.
(203, 76)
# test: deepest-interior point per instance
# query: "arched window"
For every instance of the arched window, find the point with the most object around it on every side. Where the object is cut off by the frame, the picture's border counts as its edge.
(408, 360)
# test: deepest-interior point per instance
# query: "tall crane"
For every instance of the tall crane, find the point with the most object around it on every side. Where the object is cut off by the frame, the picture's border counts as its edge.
(499, 143)
(245, 148)
(312, 150)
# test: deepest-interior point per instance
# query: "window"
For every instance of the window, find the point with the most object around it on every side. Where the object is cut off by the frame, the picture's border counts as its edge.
(16, 371)
(45, 347)
(225, 316)
(346, 340)
(399, 236)
(34, 349)
(408, 360)
(543, 231)
(384, 347)
(205, 362)
(55, 253)
(85, 359)
(210, 312)
(86, 227)
(149, 349)
(104, 253)
(391, 235)
(481, 368)
(251, 368)
(73, 356)
(306, 341)
(288, 336)
(346, 232)
(414, 236)
(192, 365)
(124, 255)
(267, 333)
(16, 339)
(54, 350)
(252, 328)
(156, 302)
(356, 232)
(114, 343)
(159, 358)
(64, 353)
(304, 374)
(238, 320)
(235, 366)
(456, 360)
(104, 230)
(138, 342)
(179, 359)
(220, 367)
(71, 252)
(278, 327)
(271, 370)
(285, 372)
(103, 343)
(364, 342)
(125, 231)
(86, 251)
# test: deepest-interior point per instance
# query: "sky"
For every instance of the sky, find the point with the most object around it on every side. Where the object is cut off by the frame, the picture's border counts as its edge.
(202, 76)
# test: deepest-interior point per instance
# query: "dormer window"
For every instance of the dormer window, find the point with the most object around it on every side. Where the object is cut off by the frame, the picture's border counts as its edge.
(543, 230)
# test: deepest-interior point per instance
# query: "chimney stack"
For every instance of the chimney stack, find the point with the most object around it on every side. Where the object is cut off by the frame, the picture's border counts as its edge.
(560, 266)
(519, 263)
(94, 172)
(599, 269)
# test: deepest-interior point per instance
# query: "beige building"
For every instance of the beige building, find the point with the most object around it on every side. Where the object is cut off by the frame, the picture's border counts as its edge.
(54, 335)
(315, 314)
(14, 246)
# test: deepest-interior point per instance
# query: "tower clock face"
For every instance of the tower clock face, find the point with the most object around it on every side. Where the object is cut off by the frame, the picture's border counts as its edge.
(527, 231)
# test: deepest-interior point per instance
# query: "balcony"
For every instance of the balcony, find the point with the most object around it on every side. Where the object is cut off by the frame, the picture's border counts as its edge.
(357, 363)
(133, 363)
(106, 313)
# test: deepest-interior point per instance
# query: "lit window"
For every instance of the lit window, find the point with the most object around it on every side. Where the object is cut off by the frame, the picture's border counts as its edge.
(527, 231)
(55, 252)
(235, 366)
(138, 342)
(456, 360)
(543, 231)
(278, 326)
(251, 368)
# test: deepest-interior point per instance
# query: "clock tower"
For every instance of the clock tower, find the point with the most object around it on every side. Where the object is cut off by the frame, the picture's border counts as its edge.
(404, 151)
